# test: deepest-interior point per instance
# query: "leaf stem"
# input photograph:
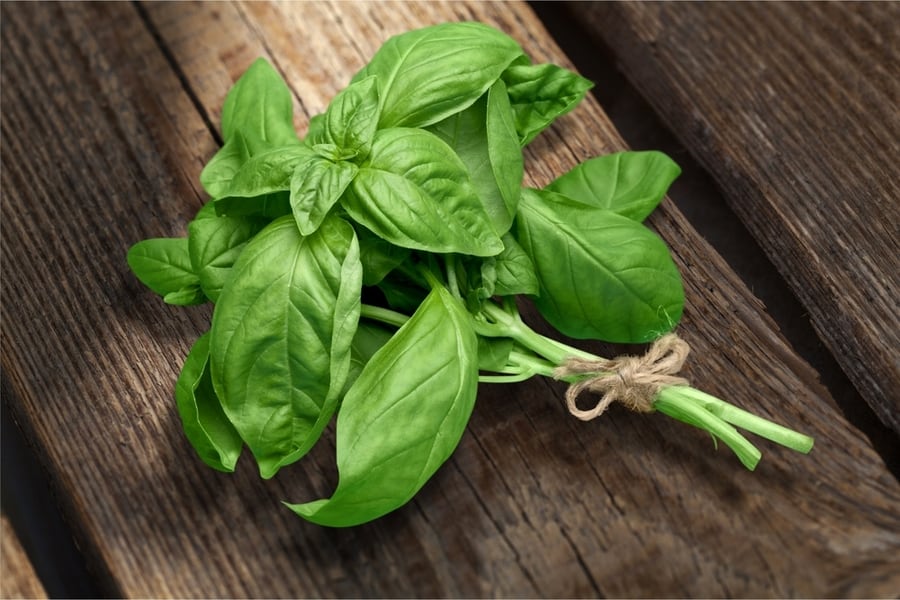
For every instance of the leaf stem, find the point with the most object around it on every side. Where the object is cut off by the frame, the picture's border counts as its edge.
(383, 315)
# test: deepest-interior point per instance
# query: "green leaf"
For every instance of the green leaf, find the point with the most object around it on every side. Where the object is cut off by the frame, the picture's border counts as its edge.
(601, 275)
(428, 74)
(631, 184)
(350, 120)
(379, 257)
(259, 108)
(163, 265)
(262, 185)
(316, 186)
(187, 296)
(281, 335)
(416, 193)
(257, 116)
(541, 93)
(215, 243)
(207, 428)
(476, 278)
(404, 416)
(485, 139)
(402, 293)
(515, 271)
(493, 353)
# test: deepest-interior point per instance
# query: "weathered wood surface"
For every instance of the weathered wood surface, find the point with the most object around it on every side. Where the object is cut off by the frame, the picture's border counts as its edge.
(106, 125)
(793, 109)
(17, 576)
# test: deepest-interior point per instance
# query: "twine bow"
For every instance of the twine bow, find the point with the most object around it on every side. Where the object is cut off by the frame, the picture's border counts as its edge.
(630, 380)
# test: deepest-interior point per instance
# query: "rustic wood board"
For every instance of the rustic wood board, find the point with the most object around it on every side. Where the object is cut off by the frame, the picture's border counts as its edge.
(106, 124)
(793, 108)
(17, 576)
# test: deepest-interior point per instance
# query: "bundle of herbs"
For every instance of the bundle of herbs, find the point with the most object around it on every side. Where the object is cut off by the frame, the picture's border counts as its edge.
(370, 270)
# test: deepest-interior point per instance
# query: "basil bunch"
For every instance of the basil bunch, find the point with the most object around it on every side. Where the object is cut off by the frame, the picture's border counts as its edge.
(369, 270)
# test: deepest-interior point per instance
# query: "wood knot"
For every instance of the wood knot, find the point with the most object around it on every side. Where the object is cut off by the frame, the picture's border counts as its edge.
(633, 381)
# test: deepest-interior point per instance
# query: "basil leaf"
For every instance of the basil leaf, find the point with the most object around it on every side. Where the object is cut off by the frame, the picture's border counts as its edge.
(416, 193)
(402, 293)
(631, 184)
(379, 257)
(257, 116)
(207, 428)
(215, 243)
(424, 379)
(515, 271)
(317, 184)
(601, 275)
(493, 353)
(428, 74)
(476, 278)
(541, 93)
(350, 120)
(485, 139)
(281, 335)
(370, 336)
(260, 108)
(262, 184)
(186, 296)
(163, 265)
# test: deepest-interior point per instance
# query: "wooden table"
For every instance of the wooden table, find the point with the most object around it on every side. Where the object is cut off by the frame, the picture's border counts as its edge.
(109, 112)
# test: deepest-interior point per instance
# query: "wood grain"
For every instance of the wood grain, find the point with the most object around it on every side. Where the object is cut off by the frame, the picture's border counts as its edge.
(105, 127)
(793, 109)
(17, 576)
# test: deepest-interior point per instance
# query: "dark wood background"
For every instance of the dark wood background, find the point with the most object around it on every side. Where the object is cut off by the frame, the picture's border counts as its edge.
(109, 112)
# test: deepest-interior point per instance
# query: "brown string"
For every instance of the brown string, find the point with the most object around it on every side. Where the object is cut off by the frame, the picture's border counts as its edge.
(630, 380)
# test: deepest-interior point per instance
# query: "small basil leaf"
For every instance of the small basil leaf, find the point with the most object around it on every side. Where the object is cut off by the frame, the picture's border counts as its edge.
(476, 278)
(493, 353)
(316, 185)
(601, 275)
(629, 183)
(207, 428)
(424, 379)
(215, 244)
(484, 137)
(281, 335)
(262, 185)
(187, 296)
(515, 271)
(541, 93)
(216, 176)
(416, 193)
(351, 119)
(370, 336)
(428, 74)
(379, 257)
(163, 264)
(402, 293)
(259, 107)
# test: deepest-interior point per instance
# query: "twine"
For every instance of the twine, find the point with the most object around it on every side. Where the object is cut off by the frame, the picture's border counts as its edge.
(630, 380)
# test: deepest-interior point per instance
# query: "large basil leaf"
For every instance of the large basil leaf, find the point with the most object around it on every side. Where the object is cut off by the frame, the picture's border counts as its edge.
(404, 415)
(515, 271)
(541, 93)
(601, 275)
(349, 122)
(428, 74)
(164, 266)
(416, 193)
(215, 243)
(485, 139)
(316, 186)
(207, 428)
(257, 116)
(281, 335)
(629, 183)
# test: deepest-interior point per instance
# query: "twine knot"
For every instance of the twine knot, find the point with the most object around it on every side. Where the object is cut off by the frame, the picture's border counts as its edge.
(630, 380)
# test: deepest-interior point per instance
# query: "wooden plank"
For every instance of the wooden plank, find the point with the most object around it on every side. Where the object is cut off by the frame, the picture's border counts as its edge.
(793, 109)
(17, 576)
(105, 147)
